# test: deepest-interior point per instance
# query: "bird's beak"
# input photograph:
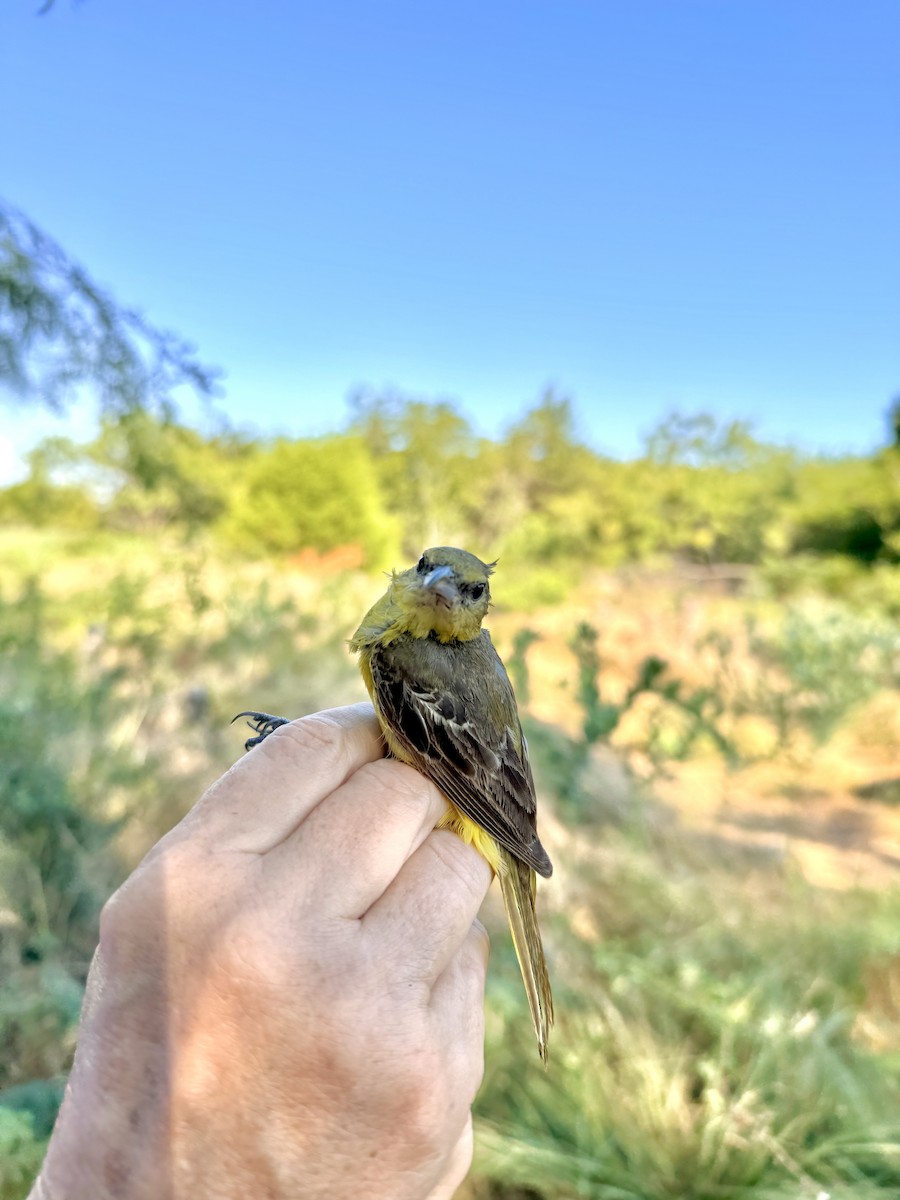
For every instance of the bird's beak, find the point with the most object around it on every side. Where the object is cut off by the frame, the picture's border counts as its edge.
(440, 582)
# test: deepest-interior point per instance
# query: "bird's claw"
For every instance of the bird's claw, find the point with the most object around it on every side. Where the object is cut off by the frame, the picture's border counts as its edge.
(262, 723)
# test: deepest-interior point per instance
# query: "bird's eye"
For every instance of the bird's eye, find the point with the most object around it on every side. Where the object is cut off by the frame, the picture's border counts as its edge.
(422, 565)
(477, 591)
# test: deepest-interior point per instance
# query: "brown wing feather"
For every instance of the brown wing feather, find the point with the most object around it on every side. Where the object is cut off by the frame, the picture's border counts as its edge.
(470, 745)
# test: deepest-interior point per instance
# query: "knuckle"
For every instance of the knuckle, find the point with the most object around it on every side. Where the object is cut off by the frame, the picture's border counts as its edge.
(416, 1089)
(481, 938)
(316, 734)
(249, 955)
(470, 969)
(462, 862)
(477, 949)
(183, 872)
(352, 715)
(173, 883)
(128, 921)
(127, 909)
(113, 917)
(398, 784)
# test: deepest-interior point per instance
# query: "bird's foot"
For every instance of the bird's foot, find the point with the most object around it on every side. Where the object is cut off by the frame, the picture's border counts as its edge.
(262, 723)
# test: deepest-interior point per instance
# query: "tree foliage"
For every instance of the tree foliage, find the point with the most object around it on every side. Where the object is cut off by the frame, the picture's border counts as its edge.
(424, 454)
(60, 332)
(320, 493)
(407, 473)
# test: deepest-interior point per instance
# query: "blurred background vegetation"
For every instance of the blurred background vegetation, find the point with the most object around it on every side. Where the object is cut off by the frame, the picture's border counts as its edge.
(705, 645)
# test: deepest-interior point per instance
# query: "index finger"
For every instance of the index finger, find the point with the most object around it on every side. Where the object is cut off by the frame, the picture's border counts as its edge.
(262, 799)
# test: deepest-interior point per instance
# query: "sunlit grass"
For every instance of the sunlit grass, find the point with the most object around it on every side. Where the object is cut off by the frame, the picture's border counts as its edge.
(712, 1035)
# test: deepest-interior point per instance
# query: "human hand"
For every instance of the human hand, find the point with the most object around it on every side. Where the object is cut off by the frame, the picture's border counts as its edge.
(287, 996)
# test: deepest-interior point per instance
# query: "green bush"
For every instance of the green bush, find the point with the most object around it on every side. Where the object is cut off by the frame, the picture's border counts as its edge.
(321, 493)
(56, 771)
(21, 1153)
(813, 666)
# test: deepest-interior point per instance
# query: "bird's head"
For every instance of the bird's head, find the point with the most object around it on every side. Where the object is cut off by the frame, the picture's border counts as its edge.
(446, 594)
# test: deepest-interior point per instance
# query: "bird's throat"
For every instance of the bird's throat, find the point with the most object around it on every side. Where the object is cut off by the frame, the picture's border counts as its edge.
(442, 622)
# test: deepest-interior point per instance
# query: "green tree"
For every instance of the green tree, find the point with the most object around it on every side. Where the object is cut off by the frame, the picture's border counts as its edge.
(848, 506)
(42, 500)
(321, 493)
(425, 457)
(142, 472)
(894, 422)
(701, 440)
(159, 472)
(543, 454)
(715, 492)
(539, 486)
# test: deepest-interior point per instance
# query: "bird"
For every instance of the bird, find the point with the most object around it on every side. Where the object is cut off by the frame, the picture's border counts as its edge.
(446, 706)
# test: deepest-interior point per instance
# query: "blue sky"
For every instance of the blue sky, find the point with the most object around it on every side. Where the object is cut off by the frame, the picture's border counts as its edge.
(647, 204)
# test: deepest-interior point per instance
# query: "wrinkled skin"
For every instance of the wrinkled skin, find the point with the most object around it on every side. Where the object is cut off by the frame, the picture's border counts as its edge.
(287, 996)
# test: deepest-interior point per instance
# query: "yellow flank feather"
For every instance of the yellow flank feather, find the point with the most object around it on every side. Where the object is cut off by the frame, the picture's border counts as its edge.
(472, 835)
(446, 706)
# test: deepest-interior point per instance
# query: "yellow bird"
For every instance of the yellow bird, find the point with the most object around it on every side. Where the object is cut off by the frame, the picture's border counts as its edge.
(446, 706)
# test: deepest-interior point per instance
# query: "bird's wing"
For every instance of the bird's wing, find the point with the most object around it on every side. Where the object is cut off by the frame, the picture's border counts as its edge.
(469, 744)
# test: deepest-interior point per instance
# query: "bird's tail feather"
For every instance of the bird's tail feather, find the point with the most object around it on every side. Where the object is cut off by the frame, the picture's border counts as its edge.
(517, 882)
